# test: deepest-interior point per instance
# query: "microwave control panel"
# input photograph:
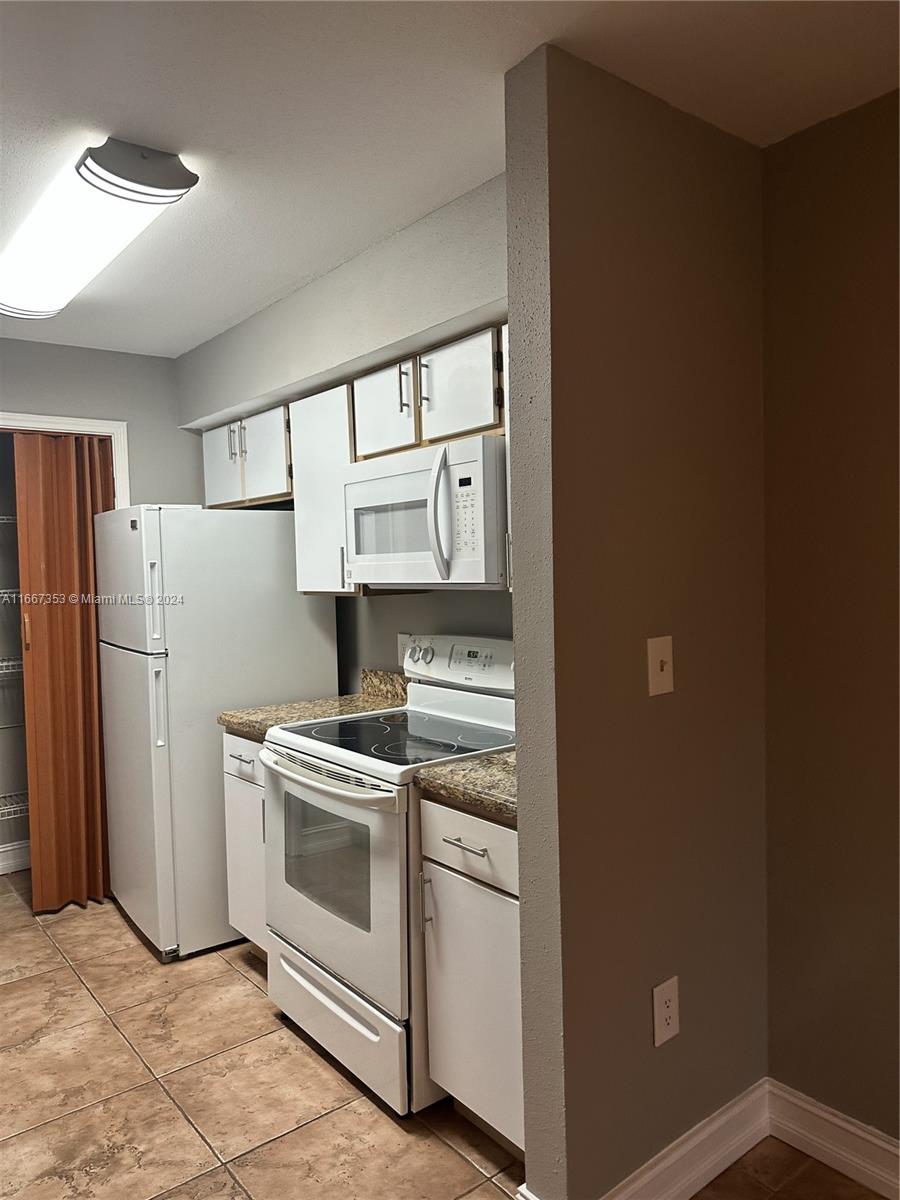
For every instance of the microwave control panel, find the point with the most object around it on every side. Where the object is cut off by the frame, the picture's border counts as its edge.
(466, 534)
(485, 663)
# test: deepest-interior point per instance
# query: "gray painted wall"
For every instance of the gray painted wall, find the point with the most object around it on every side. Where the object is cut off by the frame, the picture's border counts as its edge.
(165, 463)
(832, 652)
(530, 413)
(647, 368)
(445, 273)
(367, 626)
(426, 277)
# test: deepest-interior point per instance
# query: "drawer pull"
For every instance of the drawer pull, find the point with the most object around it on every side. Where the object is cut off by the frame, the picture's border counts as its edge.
(481, 851)
(248, 762)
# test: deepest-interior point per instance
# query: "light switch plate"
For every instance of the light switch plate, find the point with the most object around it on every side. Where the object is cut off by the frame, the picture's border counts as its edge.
(660, 666)
(666, 1022)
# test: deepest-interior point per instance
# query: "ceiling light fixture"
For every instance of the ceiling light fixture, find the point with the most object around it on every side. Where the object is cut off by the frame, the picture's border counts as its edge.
(84, 219)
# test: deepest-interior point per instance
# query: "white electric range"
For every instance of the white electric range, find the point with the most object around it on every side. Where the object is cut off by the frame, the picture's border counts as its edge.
(343, 857)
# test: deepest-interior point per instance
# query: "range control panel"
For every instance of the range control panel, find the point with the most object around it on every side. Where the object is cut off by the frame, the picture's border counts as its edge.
(487, 664)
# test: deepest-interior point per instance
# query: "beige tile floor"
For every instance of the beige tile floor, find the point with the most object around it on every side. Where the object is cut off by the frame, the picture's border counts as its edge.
(123, 1079)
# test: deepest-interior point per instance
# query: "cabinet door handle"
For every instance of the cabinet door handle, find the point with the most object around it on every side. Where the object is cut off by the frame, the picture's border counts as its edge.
(242, 439)
(262, 800)
(481, 851)
(404, 376)
(423, 366)
(248, 762)
(422, 883)
(232, 450)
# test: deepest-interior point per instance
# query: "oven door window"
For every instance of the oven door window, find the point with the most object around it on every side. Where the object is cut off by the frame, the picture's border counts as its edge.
(327, 859)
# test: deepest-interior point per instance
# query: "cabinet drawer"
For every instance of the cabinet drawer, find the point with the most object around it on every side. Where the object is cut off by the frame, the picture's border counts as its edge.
(472, 845)
(240, 757)
(367, 1042)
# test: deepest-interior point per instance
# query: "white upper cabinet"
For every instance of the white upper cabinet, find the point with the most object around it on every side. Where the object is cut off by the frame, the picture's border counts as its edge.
(248, 460)
(264, 446)
(320, 450)
(222, 475)
(384, 410)
(459, 386)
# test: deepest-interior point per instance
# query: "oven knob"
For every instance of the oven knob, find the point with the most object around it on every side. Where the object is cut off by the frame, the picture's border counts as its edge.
(414, 653)
(427, 654)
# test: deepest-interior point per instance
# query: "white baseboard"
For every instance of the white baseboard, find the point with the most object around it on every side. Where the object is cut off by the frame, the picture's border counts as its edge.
(14, 857)
(690, 1162)
(865, 1154)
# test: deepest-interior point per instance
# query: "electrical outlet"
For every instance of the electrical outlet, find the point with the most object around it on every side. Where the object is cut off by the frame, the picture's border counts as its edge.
(665, 1011)
(660, 666)
(403, 640)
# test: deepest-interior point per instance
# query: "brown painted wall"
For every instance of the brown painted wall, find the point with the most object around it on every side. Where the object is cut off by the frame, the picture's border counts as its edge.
(832, 605)
(640, 404)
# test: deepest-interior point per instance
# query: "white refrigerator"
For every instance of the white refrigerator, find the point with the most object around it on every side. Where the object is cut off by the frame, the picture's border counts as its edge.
(225, 629)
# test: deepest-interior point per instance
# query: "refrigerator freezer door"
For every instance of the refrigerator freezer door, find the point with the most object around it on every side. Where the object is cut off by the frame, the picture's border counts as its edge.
(138, 790)
(129, 569)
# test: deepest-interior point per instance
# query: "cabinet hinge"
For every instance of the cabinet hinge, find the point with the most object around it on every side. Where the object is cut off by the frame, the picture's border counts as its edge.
(290, 470)
(287, 424)
(498, 360)
(498, 397)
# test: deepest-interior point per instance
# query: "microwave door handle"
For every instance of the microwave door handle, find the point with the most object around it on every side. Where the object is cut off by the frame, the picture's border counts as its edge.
(434, 532)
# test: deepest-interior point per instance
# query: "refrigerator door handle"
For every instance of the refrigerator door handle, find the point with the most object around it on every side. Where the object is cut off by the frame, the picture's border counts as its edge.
(154, 599)
(159, 707)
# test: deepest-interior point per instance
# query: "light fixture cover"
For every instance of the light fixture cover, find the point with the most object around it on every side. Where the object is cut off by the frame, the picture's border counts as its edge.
(84, 219)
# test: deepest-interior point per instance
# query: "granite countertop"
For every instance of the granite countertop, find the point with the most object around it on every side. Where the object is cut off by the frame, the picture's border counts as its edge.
(380, 689)
(485, 786)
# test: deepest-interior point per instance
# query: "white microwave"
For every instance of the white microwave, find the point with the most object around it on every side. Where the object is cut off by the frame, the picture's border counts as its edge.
(430, 517)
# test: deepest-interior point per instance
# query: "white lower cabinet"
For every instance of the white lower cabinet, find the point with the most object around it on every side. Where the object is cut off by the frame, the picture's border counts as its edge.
(245, 856)
(474, 997)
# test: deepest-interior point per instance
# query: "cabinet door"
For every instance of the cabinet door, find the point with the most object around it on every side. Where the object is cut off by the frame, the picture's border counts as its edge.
(245, 858)
(474, 997)
(383, 410)
(222, 465)
(320, 451)
(458, 386)
(264, 447)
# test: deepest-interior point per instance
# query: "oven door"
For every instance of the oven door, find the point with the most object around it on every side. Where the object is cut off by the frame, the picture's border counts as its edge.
(336, 872)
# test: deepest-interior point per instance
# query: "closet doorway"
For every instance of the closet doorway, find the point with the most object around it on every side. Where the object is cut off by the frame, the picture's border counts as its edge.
(52, 809)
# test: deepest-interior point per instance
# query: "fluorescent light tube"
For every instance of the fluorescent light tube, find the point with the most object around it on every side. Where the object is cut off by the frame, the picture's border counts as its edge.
(86, 217)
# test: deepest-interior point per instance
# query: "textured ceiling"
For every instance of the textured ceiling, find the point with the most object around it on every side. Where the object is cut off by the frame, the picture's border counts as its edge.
(318, 128)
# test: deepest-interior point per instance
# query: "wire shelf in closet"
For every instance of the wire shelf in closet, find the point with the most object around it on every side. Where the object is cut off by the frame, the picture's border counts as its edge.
(10, 668)
(13, 804)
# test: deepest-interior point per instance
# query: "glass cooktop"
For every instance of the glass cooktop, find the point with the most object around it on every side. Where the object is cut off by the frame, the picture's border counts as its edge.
(407, 737)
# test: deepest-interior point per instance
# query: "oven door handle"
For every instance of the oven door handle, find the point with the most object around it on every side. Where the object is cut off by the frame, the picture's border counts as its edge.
(434, 532)
(382, 801)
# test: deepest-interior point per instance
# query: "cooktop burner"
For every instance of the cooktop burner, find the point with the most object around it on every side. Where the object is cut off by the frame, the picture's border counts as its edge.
(407, 737)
